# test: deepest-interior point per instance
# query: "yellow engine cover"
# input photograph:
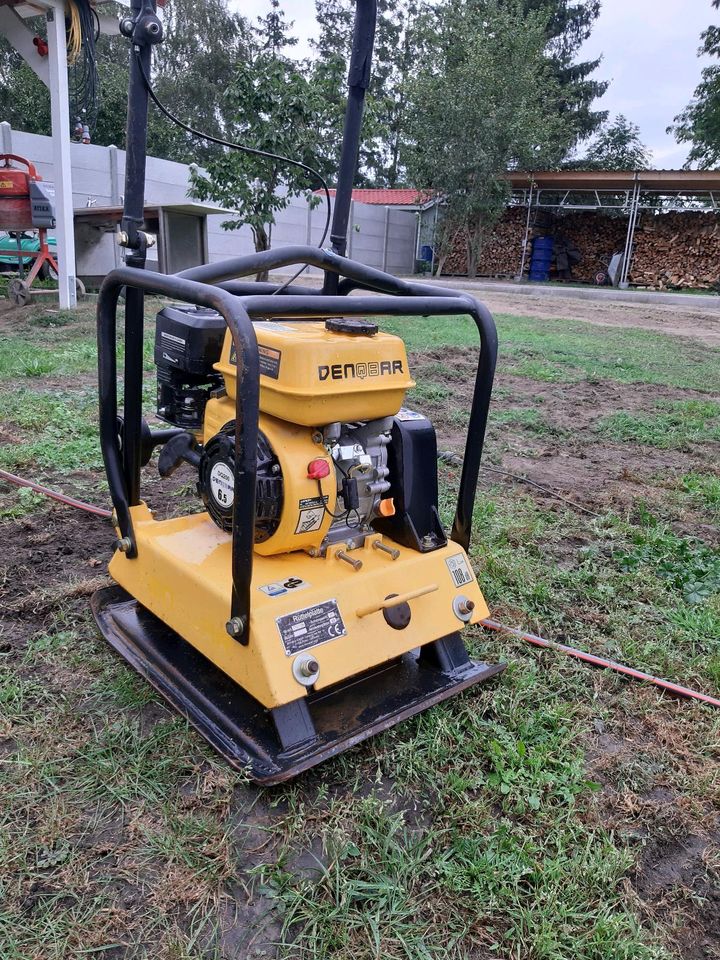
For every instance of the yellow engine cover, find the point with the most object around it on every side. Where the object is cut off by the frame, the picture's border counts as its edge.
(313, 376)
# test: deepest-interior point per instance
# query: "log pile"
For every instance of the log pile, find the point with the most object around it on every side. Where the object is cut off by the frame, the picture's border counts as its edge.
(500, 256)
(677, 250)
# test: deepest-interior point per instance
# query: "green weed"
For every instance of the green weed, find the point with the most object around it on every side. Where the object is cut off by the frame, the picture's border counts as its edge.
(686, 422)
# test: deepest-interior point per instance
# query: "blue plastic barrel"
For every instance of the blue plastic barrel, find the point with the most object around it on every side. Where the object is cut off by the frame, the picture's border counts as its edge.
(426, 253)
(541, 259)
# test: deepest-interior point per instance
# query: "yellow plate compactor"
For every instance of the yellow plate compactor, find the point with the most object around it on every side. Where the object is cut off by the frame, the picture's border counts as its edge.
(313, 598)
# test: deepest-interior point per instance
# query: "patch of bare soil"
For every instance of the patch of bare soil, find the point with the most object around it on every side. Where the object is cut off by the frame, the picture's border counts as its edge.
(675, 880)
(50, 559)
(547, 432)
(697, 323)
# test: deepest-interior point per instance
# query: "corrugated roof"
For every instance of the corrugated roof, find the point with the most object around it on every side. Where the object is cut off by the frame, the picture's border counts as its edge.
(660, 180)
(657, 180)
(399, 196)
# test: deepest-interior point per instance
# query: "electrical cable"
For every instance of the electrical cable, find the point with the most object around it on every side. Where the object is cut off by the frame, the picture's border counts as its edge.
(54, 495)
(601, 662)
(83, 33)
(253, 151)
(446, 456)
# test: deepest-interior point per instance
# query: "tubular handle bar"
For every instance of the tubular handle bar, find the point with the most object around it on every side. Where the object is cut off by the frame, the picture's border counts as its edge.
(217, 286)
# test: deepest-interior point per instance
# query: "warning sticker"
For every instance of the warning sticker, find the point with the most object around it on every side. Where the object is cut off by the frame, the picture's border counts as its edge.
(281, 587)
(269, 359)
(310, 627)
(405, 414)
(311, 514)
(459, 570)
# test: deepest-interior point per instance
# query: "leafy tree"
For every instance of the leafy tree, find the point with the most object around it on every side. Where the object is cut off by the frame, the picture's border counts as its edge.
(394, 57)
(273, 104)
(486, 102)
(400, 51)
(617, 147)
(699, 123)
(191, 70)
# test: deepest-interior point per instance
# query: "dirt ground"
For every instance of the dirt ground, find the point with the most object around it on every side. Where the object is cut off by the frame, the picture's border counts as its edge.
(53, 560)
(699, 322)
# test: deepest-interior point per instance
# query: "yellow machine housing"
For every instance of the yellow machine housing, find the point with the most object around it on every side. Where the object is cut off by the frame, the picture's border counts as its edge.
(182, 574)
(311, 376)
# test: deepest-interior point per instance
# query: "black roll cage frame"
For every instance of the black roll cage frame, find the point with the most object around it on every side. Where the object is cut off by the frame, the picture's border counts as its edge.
(219, 287)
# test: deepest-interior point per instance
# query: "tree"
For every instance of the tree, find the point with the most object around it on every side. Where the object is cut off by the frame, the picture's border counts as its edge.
(273, 105)
(394, 56)
(699, 123)
(191, 70)
(486, 102)
(617, 147)
(569, 25)
(400, 50)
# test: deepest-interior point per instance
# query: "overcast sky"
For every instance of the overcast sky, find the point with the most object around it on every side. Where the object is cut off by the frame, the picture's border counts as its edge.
(649, 53)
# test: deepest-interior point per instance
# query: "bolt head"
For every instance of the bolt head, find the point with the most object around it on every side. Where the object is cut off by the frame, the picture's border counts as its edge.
(235, 627)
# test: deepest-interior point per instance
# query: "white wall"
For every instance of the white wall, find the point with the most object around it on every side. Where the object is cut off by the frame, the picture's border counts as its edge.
(380, 237)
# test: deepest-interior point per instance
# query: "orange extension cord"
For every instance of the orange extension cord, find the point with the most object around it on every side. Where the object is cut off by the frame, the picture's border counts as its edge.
(489, 624)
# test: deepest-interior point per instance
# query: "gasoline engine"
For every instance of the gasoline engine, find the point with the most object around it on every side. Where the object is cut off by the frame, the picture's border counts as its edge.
(338, 456)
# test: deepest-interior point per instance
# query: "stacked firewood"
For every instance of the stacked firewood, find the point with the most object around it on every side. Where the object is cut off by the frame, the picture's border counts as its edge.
(500, 256)
(674, 250)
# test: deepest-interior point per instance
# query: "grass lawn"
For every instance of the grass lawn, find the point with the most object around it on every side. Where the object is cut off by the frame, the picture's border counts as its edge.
(559, 812)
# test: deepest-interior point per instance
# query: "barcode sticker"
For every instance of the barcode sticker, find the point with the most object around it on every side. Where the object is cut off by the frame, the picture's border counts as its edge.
(459, 570)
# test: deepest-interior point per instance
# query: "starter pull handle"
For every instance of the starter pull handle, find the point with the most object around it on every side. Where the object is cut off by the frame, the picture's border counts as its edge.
(395, 601)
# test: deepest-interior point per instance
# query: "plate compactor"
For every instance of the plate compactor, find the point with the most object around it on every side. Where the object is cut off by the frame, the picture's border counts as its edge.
(316, 599)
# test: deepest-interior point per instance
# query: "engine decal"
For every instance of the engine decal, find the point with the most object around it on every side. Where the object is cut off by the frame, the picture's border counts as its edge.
(269, 359)
(310, 627)
(459, 570)
(310, 519)
(222, 484)
(281, 587)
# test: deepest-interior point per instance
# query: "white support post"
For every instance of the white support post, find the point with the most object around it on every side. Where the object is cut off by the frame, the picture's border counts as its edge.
(60, 114)
(527, 233)
(632, 222)
(5, 137)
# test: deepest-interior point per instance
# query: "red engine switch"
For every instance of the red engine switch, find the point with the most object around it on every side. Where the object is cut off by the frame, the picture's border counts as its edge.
(318, 469)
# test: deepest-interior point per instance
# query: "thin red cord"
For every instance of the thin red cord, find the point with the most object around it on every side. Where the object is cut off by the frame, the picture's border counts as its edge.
(54, 495)
(601, 662)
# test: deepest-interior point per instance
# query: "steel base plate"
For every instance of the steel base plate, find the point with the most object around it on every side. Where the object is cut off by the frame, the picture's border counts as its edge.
(241, 729)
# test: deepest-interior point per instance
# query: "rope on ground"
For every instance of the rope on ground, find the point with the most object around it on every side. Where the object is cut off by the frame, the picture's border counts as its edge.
(601, 662)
